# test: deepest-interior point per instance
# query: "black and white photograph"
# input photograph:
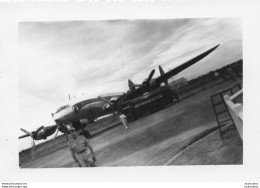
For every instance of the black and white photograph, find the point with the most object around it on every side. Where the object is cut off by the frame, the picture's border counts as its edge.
(130, 92)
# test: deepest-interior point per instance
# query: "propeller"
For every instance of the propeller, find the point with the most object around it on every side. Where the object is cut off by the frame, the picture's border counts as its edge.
(162, 73)
(23, 136)
(33, 144)
(38, 135)
(27, 132)
(38, 130)
(33, 149)
(111, 105)
(150, 76)
(33, 136)
(60, 128)
(133, 86)
(146, 82)
(56, 134)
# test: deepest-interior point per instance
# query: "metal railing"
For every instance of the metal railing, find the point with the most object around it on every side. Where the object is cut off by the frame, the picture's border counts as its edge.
(223, 115)
(235, 109)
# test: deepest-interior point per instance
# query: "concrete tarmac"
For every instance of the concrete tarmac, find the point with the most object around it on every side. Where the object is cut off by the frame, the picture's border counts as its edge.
(150, 141)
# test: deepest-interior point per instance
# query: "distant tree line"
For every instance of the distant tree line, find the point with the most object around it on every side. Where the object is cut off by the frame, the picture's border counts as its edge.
(232, 71)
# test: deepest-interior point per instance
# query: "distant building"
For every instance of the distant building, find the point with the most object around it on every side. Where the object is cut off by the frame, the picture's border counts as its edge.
(179, 82)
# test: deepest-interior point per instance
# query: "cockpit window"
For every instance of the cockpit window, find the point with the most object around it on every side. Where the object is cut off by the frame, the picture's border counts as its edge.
(61, 108)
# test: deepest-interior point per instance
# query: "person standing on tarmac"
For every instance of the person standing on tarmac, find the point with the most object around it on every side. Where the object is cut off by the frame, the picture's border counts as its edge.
(122, 118)
(80, 149)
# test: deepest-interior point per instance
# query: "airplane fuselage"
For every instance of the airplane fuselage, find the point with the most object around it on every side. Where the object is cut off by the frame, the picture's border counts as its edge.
(81, 111)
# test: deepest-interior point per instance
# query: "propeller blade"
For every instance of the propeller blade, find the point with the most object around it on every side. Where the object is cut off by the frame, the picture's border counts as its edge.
(130, 83)
(56, 134)
(23, 136)
(162, 73)
(133, 86)
(107, 101)
(33, 149)
(150, 76)
(33, 144)
(39, 129)
(26, 131)
(62, 128)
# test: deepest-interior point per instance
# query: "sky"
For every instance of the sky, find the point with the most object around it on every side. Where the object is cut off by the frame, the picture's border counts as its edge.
(89, 58)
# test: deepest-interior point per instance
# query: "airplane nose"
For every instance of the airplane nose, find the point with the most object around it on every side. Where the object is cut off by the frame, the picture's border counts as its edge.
(57, 117)
(64, 115)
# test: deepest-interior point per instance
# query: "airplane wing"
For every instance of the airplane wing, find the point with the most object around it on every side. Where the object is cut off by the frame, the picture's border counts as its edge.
(165, 76)
(183, 66)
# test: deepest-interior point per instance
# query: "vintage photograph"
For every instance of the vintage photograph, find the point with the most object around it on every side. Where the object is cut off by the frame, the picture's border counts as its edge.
(148, 92)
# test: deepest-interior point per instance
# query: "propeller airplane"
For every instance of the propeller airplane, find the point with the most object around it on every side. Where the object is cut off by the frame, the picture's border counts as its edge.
(87, 111)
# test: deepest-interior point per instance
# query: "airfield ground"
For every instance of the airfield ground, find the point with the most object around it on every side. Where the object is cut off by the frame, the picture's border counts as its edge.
(182, 134)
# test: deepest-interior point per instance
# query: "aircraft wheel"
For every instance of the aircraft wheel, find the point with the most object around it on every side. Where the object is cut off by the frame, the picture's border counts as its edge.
(130, 118)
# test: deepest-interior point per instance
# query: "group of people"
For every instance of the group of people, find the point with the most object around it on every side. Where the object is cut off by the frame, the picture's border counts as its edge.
(81, 151)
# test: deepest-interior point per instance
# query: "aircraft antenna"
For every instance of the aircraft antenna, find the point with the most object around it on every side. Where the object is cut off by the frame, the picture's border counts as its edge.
(69, 96)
